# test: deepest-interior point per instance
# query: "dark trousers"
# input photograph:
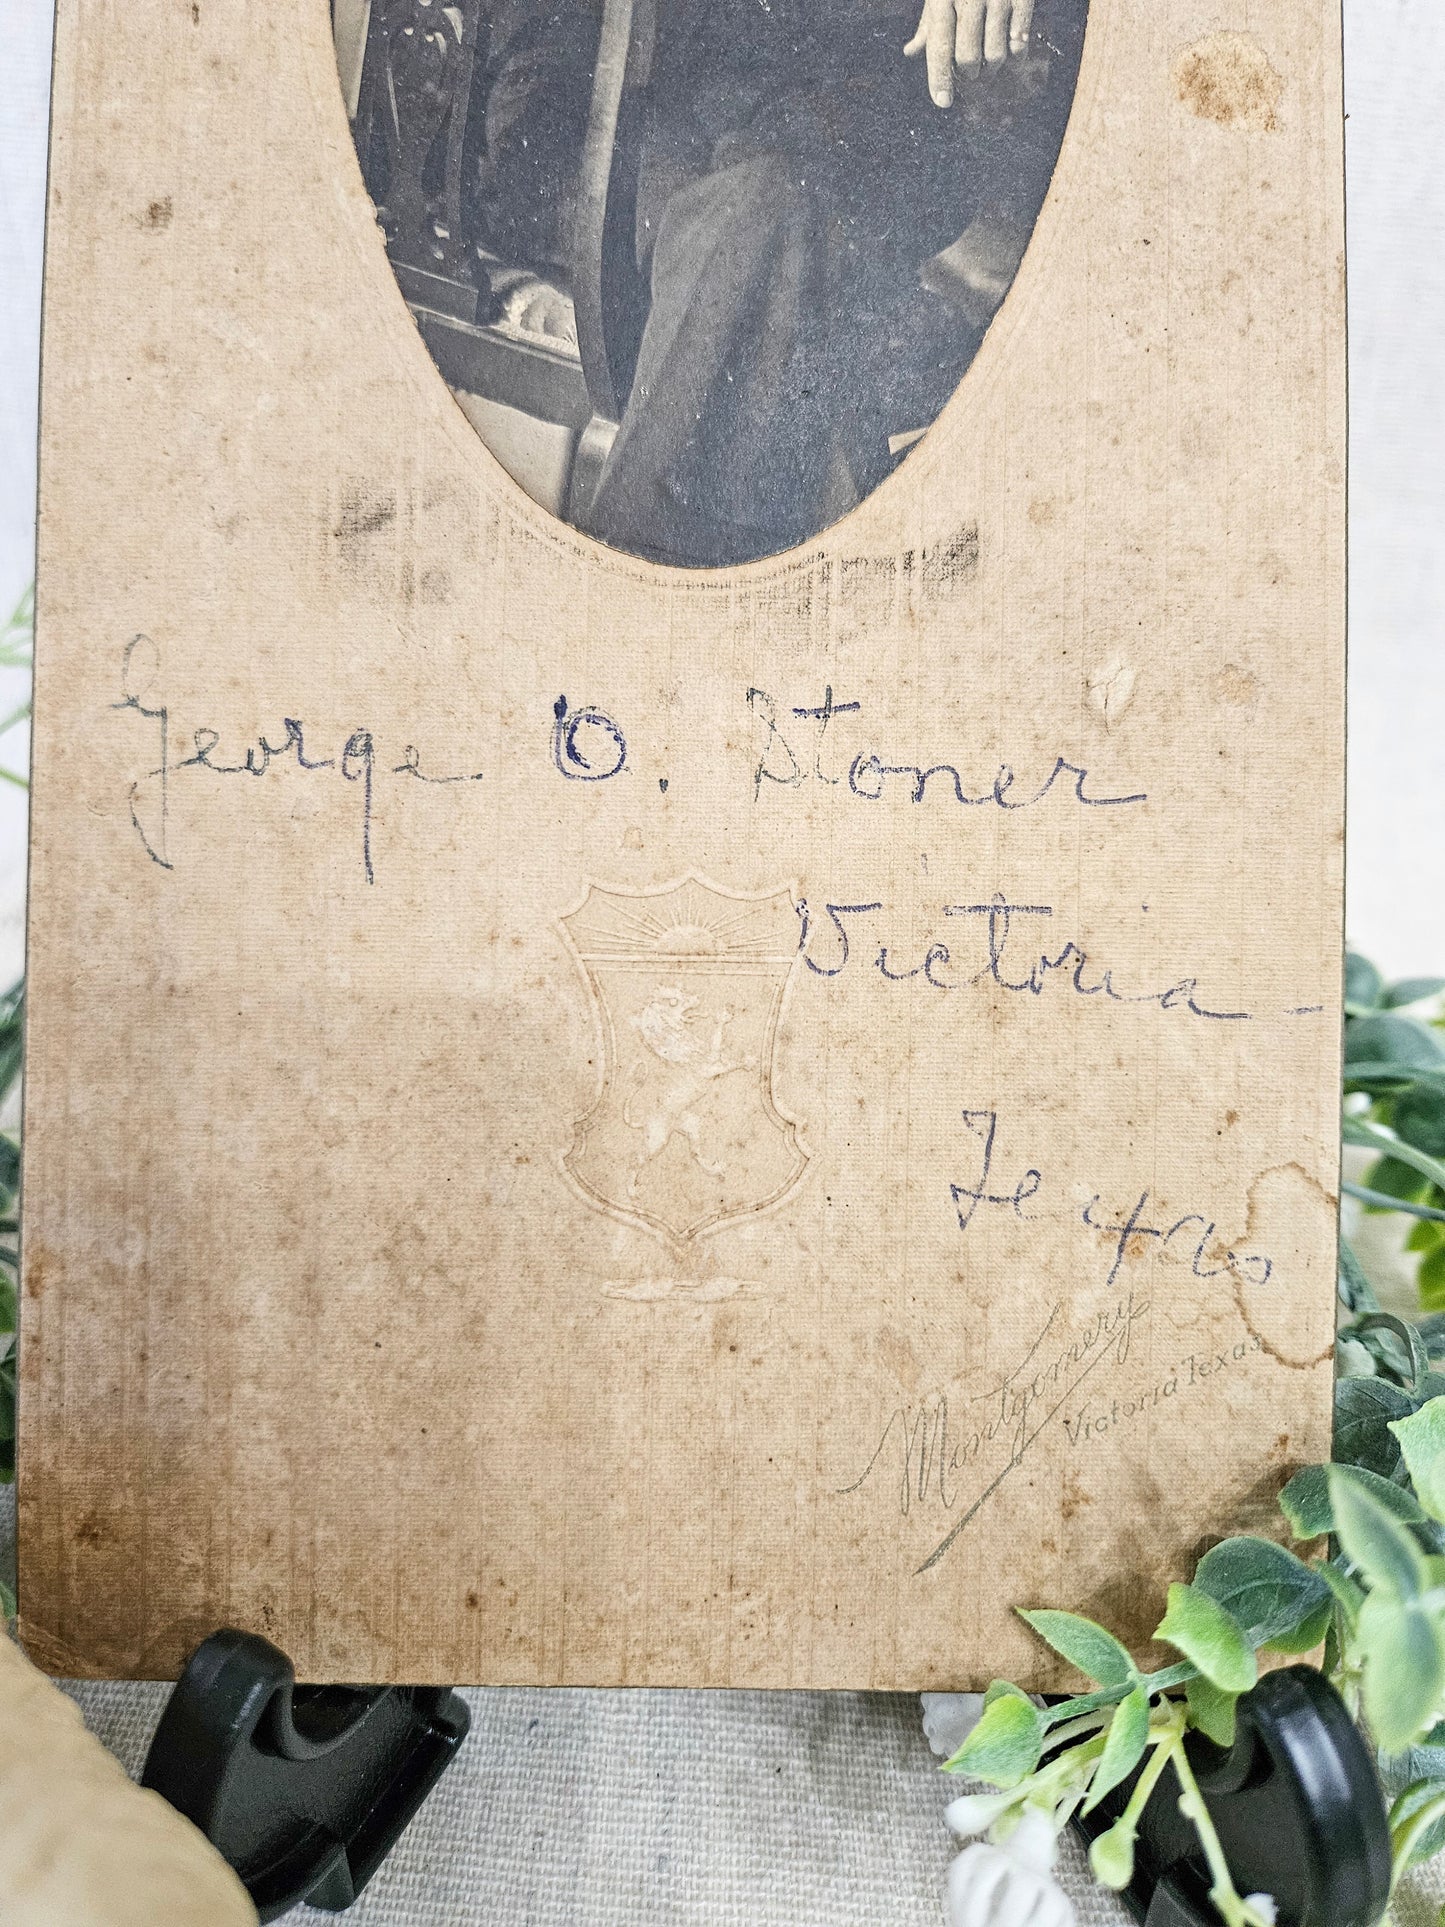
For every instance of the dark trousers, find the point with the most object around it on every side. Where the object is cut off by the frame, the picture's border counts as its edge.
(792, 183)
(787, 202)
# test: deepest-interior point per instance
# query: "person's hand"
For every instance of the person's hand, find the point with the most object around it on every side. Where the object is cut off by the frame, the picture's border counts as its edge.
(969, 34)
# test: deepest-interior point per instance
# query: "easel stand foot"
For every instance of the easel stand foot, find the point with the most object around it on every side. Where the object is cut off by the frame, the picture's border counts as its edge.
(303, 1789)
(1296, 1803)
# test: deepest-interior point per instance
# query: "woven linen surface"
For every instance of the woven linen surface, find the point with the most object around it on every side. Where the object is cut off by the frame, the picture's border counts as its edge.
(570, 1808)
(573, 1808)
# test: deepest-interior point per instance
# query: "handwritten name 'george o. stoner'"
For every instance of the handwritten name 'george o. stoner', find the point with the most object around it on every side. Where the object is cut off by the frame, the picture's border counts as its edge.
(728, 934)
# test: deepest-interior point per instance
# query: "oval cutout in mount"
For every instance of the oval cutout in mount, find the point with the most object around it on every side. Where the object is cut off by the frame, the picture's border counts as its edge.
(701, 272)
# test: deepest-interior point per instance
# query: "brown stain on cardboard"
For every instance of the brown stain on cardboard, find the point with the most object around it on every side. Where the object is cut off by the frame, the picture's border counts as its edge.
(1073, 1497)
(900, 1359)
(1295, 1174)
(35, 1272)
(1236, 686)
(1229, 79)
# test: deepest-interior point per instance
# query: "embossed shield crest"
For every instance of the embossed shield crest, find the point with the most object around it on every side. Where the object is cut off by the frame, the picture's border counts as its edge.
(687, 983)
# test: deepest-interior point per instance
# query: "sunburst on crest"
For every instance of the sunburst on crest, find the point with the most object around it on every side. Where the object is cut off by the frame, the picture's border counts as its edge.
(691, 921)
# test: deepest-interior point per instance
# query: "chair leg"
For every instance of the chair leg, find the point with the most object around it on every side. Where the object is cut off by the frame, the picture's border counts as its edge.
(587, 465)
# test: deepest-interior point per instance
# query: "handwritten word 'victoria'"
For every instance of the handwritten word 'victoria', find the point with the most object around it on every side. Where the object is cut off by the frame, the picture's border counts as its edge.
(828, 950)
(872, 778)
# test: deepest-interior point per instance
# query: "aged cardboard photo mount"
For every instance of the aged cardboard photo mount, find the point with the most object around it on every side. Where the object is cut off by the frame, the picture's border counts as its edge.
(591, 1121)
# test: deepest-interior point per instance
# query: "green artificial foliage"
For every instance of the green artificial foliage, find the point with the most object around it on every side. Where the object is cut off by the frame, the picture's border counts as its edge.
(1365, 1594)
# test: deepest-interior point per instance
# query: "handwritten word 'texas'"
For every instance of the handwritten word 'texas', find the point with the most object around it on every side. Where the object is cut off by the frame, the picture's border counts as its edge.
(1129, 1234)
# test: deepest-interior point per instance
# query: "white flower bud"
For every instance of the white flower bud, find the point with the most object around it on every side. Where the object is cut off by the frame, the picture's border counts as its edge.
(949, 1718)
(974, 1813)
(1011, 1884)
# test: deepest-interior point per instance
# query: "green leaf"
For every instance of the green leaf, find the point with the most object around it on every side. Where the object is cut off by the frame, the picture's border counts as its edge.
(1383, 1080)
(1385, 1176)
(1000, 1687)
(1417, 1822)
(1404, 1675)
(1305, 1501)
(1352, 1359)
(1356, 1291)
(1382, 1354)
(7, 1417)
(1418, 1116)
(1364, 1409)
(9, 1164)
(1212, 1710)
(1425, 1236)
(1394, 1179)
(1422, 1444)
(1430, 1280)
(1409, 1347)
(1006, 1745)
(1085, 1645)
(1266, 1590)
(1402, 1043)
(1363, 983)
(1374, 1540)
(1412, 990)
(1123, 1748)
(1200, 1628)
(1348, 1593)
(1383, 1202)
(1309, 1633)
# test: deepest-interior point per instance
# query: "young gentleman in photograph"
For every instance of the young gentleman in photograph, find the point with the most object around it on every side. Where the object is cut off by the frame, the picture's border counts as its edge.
(803, 161)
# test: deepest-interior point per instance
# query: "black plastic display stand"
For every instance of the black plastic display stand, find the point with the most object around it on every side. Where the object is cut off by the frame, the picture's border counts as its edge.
(303, 1789)
(1297, 1806)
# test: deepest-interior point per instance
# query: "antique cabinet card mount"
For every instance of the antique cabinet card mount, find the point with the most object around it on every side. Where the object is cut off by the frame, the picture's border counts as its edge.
(686, 859)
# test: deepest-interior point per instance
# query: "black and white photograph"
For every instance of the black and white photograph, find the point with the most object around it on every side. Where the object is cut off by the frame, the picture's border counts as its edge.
(701, 273)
